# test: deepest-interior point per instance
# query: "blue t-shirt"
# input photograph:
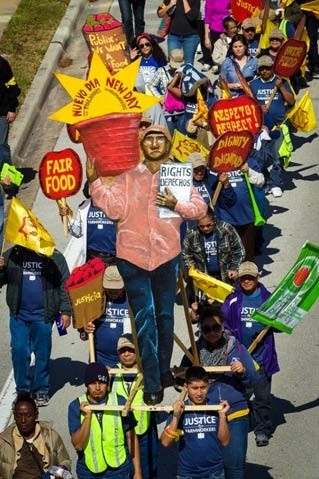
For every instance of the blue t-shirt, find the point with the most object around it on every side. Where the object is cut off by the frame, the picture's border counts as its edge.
(148, 68)
(262, 91)
(74, 421)
(199, 450)
(108, 330)
(250, 328)
(32, 296)
(253, 46)
(101, 232)
(210, 244)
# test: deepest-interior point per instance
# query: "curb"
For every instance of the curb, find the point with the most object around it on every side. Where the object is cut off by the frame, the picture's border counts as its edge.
(35, 98)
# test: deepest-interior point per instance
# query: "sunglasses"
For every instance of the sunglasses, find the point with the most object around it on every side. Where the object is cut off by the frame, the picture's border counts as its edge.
(250, 29)
(126, 349)
(144, 45)
(215, 328)
(263, 67)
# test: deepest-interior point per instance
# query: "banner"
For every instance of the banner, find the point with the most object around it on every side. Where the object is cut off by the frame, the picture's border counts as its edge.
(245, 9)
(60, 174)
(182, 147)
(230, 151)
(24, 228)
(213, 288)
(105, 35)
(302, 116)
(179, 179)
(235, 114)
(290, 57)
(296, 293)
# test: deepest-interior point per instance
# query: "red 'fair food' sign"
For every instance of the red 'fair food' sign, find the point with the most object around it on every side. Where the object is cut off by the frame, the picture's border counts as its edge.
(242, 9)
(235, 114)
(290, 57)
(60, 174)
(230, 151)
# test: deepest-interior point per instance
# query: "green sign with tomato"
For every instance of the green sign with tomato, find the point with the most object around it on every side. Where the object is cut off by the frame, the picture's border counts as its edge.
(296, 293)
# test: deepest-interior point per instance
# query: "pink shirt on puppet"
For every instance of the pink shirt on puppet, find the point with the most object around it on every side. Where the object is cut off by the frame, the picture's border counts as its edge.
(143, 238)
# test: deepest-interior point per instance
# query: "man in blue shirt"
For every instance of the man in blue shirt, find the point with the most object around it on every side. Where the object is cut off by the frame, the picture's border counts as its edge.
(263, 88)
(200, 434)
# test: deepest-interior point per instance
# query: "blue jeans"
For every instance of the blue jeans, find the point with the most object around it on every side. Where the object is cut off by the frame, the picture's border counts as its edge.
(213, 475)
(1, 217)
(234, 453)
(129, 8)
(151, 296)
(148, 443)
(23, 335)
(187, 43)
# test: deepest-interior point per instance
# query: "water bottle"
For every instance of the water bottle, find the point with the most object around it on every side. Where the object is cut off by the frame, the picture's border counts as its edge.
(57, 471)
(61, 329)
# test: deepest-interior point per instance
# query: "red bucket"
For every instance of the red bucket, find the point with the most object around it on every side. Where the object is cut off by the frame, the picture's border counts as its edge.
(112, 141)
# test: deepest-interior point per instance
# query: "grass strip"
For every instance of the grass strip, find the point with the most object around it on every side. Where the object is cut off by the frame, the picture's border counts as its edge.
(27, 37)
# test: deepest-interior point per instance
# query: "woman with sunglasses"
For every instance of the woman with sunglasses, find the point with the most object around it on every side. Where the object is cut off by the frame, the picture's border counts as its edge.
(216, 347)
(152, 55)
(239, 58)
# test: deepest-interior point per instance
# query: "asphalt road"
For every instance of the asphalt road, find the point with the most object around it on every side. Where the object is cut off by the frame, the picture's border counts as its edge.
(293, 219)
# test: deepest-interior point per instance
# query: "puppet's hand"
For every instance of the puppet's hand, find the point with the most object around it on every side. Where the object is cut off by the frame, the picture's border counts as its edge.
(91, 172)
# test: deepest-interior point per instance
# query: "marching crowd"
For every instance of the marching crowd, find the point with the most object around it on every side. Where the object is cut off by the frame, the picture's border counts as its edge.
(144, 254)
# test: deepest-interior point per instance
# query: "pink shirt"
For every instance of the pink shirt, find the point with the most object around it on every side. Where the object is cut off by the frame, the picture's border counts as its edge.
(143, 238)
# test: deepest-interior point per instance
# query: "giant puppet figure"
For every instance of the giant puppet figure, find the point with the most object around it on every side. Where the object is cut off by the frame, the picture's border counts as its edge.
(148, 251)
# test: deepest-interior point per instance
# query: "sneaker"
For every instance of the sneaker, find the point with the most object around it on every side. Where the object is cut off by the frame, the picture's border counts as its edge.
(262, 440)
(41, 399)
(276, 191)
(206, 67)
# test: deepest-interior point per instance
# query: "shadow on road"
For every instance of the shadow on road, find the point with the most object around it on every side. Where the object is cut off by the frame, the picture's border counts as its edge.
(281, 406)
(65, 370)
(256, 471)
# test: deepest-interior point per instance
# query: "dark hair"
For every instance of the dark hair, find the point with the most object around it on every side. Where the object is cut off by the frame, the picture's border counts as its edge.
(211, 212)
(157, 51)
(227, 21)
(239, 38)
(24, 397)
(196, 373)
(209, 312)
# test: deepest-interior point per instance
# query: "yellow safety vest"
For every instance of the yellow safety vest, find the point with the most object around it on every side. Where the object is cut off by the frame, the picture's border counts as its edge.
(106, 444)
(142, 417)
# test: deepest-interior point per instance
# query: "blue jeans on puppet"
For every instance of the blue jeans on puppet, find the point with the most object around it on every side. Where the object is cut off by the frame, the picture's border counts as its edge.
(130, 8)
(151, 296)
(35, 335)
(188, 43)
(234, 453)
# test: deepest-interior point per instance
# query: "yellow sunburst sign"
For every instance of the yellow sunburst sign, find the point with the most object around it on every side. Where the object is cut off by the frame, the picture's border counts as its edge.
(102, 93)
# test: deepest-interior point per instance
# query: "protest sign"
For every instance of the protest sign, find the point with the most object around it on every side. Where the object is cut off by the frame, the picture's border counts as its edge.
(60, 174)
(183, 146)
(296, 293)
(179, 179)
(235, 114)
(105, 36)
(290, 57)
(230, 151)
(242, 9)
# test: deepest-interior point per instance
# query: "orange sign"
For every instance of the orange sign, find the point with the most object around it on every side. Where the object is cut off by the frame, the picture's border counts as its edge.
(235, 114)
(230, 151)
(60, 174)
(290, 57)
(242, 9)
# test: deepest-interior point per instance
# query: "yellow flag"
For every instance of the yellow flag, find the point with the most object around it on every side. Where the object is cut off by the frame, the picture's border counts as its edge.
(311, 7)
(264, 38)
(24, 228)
(183, 146)
(302, 115)
(213, 288)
